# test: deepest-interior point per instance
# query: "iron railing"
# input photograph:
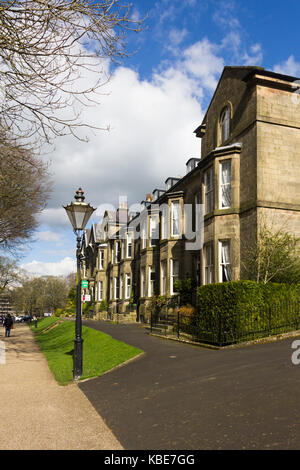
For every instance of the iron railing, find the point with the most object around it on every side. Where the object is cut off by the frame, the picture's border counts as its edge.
(224, 329)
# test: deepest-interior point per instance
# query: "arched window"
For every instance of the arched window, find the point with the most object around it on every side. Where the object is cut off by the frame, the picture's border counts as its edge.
(224, 125)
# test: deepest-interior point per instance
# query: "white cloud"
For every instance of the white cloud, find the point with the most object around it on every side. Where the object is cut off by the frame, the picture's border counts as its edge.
(151, 130)
(255, 57)
(60, 268)
(289, 67)
(151, 137)
(48, 236)
(176, 36)
(56, 217)
(203, 62)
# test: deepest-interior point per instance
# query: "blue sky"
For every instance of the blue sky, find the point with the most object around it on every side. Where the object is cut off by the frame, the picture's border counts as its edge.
(153, 103)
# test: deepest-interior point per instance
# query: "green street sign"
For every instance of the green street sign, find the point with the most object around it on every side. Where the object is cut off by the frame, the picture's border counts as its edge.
(84, 284)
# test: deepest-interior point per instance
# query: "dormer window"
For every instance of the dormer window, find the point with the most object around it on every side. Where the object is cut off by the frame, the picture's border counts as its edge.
(191, 164)
(157, 193)
(225, 125)
(170, 182)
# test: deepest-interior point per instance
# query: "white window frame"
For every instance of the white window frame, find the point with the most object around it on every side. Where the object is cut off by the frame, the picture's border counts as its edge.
(224, 265)
(101, 259)
(153, 227)
(173, 277)
(165, 221)
(198, 211)
(127, 286)
(100, 290)
(143, 282)
(111, 288)
(129, 244)
(112, 254)
(163, 277)
(144, 233)
(116, 288)
(208, 262)
(224, 186)
(118, 252)
(176, 217)
(150, 282)
(121, 287)
(209, 190)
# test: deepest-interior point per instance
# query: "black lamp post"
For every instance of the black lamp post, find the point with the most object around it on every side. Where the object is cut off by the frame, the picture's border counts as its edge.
(79, 213)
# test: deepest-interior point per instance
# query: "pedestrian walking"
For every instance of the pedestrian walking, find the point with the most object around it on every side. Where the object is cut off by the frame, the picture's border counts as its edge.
(8, 324)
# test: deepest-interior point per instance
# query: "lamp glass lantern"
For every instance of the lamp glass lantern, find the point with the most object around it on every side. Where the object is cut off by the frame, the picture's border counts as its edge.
(79, 212)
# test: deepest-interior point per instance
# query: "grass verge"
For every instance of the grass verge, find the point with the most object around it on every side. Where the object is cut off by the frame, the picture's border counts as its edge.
(100, 351)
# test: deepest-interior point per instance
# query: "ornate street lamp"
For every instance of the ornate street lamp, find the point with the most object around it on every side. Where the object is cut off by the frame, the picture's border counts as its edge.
(79, 213)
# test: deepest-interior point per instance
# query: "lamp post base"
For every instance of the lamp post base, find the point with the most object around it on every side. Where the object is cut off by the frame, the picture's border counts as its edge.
(77, 365)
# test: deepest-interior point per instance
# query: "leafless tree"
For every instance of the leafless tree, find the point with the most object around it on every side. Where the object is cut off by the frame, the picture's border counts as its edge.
(273, 256)
(46, 48)
(24, 188)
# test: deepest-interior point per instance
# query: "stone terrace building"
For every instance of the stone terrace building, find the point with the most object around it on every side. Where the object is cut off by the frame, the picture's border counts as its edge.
(249, 168)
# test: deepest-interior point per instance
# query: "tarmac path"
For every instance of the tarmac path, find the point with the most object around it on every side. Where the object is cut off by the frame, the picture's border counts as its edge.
(38, 414)
(183, 397)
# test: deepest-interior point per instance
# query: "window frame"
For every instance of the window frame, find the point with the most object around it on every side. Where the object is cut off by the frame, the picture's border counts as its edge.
(150, 281)
(179, 213)
(209, 191)
(100, 291)
(173, 277)
(224, 125)
(101, 260)
(221, 243)
(127, 286)
(163, 277)
(116, 288)
(143, 282)
(129, 245)
(208, 268)
(221, 185)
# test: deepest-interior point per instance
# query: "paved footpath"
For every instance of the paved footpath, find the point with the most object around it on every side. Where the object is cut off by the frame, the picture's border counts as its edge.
(38, 414)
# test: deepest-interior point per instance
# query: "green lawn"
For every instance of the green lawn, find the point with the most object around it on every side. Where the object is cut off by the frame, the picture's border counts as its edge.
(100, 351)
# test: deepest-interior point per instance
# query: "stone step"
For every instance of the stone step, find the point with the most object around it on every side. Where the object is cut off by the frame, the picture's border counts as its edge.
(159, 327)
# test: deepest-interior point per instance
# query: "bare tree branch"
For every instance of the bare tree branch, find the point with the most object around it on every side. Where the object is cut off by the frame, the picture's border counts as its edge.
(47, 47)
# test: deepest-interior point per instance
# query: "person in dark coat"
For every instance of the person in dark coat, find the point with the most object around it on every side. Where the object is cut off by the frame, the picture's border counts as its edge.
(8, 323)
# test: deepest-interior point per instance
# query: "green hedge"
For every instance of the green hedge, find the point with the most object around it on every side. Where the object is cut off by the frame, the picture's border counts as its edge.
(244, 309)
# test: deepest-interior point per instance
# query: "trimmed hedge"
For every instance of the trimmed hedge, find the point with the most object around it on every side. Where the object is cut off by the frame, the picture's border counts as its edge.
(246, 310)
